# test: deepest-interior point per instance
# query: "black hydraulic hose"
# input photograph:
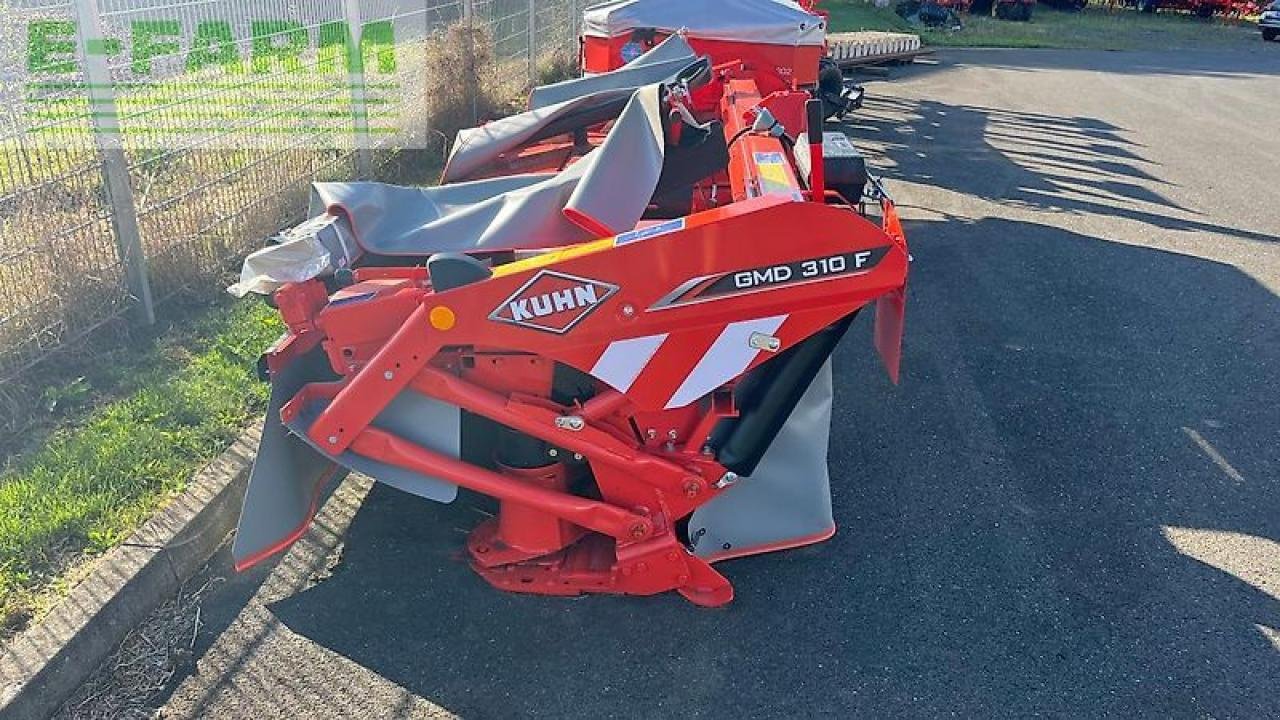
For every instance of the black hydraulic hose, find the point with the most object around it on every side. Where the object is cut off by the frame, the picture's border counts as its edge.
(784, 137)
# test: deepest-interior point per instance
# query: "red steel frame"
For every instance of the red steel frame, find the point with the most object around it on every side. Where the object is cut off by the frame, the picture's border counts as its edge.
(392, 333)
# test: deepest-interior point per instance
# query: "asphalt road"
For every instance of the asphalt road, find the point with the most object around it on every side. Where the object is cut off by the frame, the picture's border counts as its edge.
(1069, 507)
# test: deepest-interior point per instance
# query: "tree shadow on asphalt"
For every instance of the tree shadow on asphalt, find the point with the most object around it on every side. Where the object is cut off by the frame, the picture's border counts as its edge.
(1074, 165)
(1003, 517)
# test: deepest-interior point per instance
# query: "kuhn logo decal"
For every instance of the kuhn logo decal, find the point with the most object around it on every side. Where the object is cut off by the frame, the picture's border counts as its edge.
(553, 302)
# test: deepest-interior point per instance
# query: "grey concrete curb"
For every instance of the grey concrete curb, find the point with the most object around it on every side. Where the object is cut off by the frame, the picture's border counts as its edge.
(44, 665)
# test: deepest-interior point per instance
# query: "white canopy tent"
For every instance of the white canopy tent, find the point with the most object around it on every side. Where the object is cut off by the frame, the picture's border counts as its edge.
(774, 22)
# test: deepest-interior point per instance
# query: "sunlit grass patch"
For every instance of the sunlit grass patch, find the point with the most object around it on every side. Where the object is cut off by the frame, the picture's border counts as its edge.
(94, 482)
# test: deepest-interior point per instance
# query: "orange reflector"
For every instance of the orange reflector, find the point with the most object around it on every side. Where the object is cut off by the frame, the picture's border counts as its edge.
(442, 318)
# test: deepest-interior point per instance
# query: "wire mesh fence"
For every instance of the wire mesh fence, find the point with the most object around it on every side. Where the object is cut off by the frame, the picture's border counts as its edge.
(145, 145)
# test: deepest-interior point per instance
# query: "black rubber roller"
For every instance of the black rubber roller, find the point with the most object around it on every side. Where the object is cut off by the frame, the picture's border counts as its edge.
(767, 396)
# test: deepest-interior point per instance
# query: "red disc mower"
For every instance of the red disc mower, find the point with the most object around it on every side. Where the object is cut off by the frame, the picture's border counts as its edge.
(614, 317)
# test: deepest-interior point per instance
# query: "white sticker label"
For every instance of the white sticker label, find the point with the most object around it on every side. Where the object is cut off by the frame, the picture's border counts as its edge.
(650, 232)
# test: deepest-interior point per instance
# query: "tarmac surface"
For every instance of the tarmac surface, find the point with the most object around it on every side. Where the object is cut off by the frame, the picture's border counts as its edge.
(1069, 507)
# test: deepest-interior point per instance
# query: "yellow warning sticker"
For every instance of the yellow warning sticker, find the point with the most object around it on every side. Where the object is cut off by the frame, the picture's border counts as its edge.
(774, 178)
(551, 258)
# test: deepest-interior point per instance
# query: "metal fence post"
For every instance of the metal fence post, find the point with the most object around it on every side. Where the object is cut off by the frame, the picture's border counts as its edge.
(469, 18)
(355, 78)
(94, 50)
(533, 45)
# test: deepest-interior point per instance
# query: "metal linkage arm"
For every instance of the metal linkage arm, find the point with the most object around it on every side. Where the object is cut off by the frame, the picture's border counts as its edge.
(591, 514)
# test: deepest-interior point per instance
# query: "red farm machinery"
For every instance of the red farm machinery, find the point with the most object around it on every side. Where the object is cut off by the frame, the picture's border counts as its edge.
(614, 316)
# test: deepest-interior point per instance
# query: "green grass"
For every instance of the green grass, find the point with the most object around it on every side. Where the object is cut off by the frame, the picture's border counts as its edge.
(849, 15)
(1094, 28)
(89, 485)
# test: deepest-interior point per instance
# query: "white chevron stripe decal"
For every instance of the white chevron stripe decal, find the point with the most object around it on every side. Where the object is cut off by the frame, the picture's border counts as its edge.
(728, 356)
(624, 360)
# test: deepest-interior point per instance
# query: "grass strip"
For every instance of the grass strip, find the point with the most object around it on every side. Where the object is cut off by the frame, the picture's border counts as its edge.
(91, 484)
(1097, 28)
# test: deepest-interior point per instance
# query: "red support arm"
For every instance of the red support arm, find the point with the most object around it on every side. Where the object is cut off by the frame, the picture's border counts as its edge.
(591, 514)
(589, 441)
(373, 388)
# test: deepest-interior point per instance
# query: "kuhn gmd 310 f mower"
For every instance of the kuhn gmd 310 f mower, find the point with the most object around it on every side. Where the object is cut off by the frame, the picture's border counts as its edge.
(614, 315)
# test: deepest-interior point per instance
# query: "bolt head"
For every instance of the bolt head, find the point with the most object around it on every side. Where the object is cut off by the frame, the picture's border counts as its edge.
(333, 439)
(553, 452)
(726, 480)
(628, 310)
(388, 375)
